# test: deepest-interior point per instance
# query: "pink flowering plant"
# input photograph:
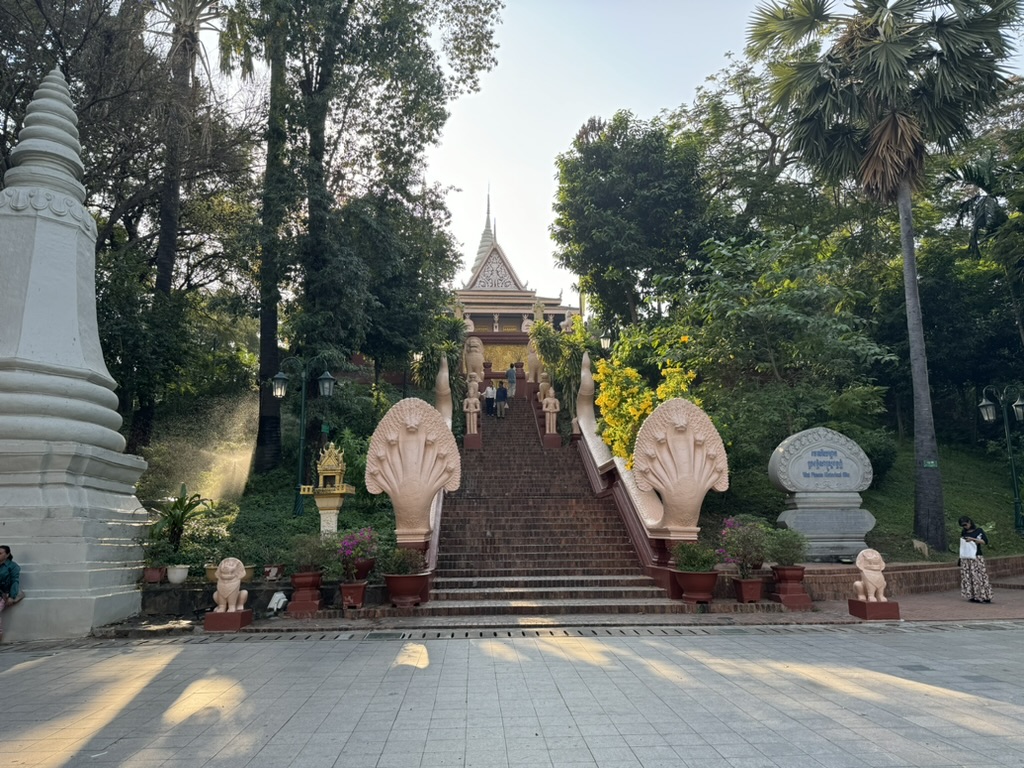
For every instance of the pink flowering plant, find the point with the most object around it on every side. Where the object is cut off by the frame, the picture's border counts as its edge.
(354, 546)
(744, 543)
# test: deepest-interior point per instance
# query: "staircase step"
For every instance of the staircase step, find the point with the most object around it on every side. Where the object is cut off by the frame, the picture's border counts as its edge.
(514, 571)
(556, 607)
(534, 594)
(542, 582)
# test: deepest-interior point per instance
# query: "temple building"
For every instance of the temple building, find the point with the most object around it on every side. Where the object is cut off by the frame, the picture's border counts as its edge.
(499, 309)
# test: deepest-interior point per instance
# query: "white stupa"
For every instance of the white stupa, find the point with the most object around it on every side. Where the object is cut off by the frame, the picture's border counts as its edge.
(67, 504)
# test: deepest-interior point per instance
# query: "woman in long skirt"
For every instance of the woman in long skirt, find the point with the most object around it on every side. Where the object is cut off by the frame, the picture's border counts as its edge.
(974, 584)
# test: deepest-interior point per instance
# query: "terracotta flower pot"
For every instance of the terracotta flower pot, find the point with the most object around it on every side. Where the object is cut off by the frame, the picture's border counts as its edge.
(353, 593)
(307, 579)
(154, 574)
(697, 586)
(406, 591)
(789, 587)
(364, 566)
(273, 572)
(748, 590)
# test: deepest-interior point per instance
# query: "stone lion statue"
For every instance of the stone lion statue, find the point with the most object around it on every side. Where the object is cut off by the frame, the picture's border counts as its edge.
(871, 586)
(473, 355)
(230, 597)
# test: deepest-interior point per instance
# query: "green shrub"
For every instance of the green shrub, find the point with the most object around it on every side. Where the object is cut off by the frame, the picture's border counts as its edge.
(744, 543)
(401, 562)
(694, 556)
(787, 547)
(172, 515)
(311, 551)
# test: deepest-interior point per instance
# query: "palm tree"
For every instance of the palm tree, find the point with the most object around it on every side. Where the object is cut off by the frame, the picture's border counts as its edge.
(872, 93)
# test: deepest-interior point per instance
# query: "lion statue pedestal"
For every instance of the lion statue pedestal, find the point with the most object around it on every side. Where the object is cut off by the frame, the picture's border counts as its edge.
(871, 604)
(230, 615)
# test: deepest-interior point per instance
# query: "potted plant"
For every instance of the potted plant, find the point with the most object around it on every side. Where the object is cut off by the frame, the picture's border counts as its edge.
(270, 558)
(744, 543)
(310, 554)
(406, 575)
(357, 552)
(156, 554)
(695, 570)
(786, 548)
(172, 515)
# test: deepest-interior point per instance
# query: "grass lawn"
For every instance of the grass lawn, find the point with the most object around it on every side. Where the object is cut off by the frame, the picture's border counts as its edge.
(973, 484)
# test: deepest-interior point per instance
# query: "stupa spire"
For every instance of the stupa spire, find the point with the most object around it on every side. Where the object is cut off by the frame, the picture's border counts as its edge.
(67, 498)
(487, 239)
(48, 153)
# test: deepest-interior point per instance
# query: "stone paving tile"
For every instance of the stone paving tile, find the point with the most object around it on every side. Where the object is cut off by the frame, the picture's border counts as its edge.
(864, 697)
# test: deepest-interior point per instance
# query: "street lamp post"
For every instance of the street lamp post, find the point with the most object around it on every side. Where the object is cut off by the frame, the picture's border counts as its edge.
(279, 387)
(988, 415)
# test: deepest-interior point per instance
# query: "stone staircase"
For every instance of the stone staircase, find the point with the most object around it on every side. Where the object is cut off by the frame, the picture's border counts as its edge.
(525, 536)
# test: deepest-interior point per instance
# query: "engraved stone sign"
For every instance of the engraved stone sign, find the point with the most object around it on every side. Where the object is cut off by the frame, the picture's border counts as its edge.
(823, 471)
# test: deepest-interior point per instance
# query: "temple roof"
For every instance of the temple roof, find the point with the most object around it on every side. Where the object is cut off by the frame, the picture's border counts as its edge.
(494, 286)
(492, 271)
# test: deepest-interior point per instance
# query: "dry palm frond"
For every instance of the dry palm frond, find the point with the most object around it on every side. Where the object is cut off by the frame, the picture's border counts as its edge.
(895, 153)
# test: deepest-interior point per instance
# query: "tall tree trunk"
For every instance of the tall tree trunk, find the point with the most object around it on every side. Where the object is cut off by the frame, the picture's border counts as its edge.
(182, 58)
(182, 65)
(267, 455)
(929, 512)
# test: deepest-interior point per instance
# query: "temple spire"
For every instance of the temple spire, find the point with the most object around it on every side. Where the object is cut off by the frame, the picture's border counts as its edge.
(486, 239)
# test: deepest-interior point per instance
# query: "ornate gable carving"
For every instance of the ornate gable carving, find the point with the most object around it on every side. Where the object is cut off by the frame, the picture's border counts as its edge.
(494, 275)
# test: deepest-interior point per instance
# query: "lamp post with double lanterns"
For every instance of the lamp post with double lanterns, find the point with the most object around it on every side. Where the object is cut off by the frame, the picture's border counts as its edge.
(279, 388)
(988, 410)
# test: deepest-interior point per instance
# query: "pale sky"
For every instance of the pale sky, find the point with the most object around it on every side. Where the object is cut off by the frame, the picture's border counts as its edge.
(561, 62)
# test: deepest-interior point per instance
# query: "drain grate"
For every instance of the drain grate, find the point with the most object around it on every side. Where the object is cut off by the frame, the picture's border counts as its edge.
(41, 648)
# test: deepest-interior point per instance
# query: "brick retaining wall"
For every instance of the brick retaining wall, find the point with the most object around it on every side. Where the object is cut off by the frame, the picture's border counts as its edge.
(835, 582)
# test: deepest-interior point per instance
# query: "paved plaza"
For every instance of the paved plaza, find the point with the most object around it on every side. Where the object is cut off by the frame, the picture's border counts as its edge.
(800, 696)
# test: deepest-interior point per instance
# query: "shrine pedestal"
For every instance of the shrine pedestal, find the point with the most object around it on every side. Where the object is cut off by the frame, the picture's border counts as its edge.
(862, 609)
(227, 622)
(473, 442)
(304, 603)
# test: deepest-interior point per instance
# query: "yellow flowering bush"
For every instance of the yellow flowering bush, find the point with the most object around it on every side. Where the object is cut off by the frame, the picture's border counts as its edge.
(626, 400)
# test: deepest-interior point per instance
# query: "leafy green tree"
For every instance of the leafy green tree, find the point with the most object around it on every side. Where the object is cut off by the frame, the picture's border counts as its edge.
(562, 353)
(773, 338)
(894, 81)
(629, 204)
(414, 260)
(358, 90)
